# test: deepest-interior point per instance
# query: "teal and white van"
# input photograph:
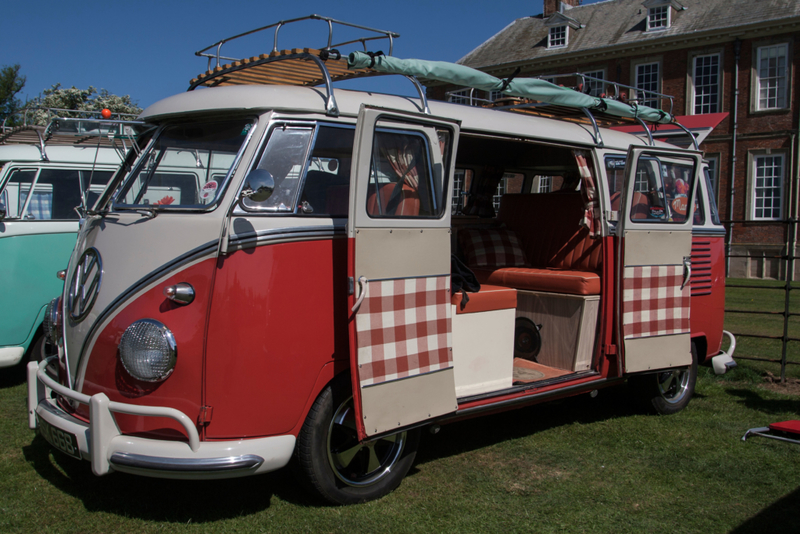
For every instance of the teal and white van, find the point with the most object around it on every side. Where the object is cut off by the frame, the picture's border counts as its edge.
(47, 176)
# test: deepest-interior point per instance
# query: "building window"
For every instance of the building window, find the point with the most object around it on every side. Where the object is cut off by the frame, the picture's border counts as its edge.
(767, 188)
(464, 96)
(594, 87)
(545, 184)
(772, 76)
(658, 18)
(647, 79)
(706, 84)
(557, 37)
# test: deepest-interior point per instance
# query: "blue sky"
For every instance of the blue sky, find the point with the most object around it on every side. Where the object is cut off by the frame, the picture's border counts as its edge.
(146, 48)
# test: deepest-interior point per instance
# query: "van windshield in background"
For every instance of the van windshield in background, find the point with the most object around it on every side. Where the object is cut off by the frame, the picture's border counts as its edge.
(186, 165)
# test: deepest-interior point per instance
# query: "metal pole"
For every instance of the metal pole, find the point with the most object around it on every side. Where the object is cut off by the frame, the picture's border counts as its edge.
(788, 289)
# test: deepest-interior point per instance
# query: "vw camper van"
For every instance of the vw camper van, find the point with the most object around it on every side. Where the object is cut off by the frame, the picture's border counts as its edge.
(336, 270)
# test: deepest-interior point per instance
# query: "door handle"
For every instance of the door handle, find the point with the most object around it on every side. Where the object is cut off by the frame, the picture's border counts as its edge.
(687, 270)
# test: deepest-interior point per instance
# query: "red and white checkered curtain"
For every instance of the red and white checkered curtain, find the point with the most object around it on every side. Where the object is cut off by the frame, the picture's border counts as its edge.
(403, 328)
(402, 157)
(653, 302)
(591, 214)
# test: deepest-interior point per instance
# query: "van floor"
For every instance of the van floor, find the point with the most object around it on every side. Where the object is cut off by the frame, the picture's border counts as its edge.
(526, 371)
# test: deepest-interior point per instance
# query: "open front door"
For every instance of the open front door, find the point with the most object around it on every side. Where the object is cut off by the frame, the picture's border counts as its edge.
(399, 263)
(655, 233)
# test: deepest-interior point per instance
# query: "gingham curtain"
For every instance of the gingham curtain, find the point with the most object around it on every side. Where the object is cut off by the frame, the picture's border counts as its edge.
(591, 213)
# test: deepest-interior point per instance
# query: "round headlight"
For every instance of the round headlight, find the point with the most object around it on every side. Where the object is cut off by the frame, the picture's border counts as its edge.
(148, 350)
(51, 324)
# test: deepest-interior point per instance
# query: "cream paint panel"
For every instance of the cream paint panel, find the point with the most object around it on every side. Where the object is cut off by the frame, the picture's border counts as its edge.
(10, 356)
(402, 253)
(392, 405)
(483, 351)
(656, 247)
(657, 353)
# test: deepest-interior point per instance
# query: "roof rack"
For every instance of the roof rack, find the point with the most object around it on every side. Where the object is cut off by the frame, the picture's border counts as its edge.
(89, 128)
(306, 66)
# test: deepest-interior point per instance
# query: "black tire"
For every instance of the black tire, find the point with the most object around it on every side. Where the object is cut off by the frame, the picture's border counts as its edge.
(41, 349)
(328, 441)
(669, 391)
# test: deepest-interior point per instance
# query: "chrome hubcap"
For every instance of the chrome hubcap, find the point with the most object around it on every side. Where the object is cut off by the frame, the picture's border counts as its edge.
(360, 464)
(673, 384)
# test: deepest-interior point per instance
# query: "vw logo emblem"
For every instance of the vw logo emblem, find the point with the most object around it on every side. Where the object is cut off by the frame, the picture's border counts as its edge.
(85, 284)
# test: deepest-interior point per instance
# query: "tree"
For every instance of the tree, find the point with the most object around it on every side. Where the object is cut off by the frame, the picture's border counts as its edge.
(11, 83)
(77, 99)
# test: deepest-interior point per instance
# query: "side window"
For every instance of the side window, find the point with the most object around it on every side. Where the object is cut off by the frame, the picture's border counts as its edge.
(712, 201)
(284, 158)
(326, 190)
(56, 195)
(662, 188)
(401, 178)
(16, 191)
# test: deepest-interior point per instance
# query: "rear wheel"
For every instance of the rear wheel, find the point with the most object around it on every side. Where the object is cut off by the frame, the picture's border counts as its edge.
(668, 391)
(336, 465)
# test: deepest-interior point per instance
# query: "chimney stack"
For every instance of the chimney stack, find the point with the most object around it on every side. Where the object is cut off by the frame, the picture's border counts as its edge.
(558, 6)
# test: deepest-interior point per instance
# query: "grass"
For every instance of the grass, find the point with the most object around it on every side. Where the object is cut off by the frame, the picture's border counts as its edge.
(577, 465)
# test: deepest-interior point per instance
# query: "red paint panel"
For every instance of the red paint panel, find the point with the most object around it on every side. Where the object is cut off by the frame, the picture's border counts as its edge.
(182, 390)
(708, 290)
(278, 315)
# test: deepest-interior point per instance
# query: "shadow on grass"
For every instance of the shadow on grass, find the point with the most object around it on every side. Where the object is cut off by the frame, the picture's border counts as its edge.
(753, 399)
(13, 376)
(153, 499)
(457, 438)
(780, 516)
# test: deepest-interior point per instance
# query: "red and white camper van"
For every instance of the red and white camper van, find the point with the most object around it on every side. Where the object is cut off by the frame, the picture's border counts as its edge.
(269, 277)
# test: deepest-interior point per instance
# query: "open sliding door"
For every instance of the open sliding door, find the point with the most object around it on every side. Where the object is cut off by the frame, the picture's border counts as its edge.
(399, 263)
(655, 242)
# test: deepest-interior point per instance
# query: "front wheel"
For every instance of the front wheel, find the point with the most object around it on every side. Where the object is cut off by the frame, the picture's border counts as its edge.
(668, 391)
(336, 465)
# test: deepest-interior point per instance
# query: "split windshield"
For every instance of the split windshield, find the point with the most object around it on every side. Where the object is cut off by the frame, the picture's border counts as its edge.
(186, 166)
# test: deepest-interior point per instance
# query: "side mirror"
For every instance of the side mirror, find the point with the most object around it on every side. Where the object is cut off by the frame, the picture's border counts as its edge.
(258, 186)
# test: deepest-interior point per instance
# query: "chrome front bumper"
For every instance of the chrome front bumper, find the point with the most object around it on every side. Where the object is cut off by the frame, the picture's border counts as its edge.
(101, 442)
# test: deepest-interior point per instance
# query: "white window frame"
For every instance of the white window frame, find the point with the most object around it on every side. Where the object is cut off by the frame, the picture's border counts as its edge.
(652, 102)
(768, 158)
(780, 102)
(556, 42)
(714, 86)
(662, 15)
(545, 183)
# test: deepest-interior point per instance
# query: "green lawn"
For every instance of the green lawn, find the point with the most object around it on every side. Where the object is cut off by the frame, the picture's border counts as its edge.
(578, 465)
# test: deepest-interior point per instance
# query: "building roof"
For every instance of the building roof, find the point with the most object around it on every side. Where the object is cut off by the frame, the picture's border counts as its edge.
(622, 24)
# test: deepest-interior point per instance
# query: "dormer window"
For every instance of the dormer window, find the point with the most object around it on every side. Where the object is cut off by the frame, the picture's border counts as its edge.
(557, 37)
(658, 18)
(558, 28)
(659, 13)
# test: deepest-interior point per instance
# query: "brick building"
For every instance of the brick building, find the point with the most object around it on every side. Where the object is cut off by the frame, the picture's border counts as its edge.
(729, 57)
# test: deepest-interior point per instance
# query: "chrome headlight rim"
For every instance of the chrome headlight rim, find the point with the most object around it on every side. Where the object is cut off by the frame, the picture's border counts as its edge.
(167, 336)
(51, 323)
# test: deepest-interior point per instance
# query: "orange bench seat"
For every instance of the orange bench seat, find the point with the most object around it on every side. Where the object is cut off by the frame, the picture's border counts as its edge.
(489, 298)
(548, 280)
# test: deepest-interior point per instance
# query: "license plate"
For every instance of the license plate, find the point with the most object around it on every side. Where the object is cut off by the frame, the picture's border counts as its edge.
(63, 441)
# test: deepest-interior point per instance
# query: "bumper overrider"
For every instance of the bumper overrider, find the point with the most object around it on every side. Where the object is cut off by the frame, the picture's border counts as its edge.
(101, 442)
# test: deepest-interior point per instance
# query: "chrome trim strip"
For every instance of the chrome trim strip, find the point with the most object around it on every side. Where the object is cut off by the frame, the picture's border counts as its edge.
(263, 237)
(704, 231)
(186, 465)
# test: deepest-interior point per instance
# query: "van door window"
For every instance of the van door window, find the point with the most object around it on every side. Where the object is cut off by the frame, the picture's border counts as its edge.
(326, 190)
(284, 158)
(401, 177)
(17, 189)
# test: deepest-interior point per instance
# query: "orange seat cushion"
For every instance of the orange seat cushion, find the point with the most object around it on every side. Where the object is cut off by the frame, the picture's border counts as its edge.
(549, 280)
(489, 298)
